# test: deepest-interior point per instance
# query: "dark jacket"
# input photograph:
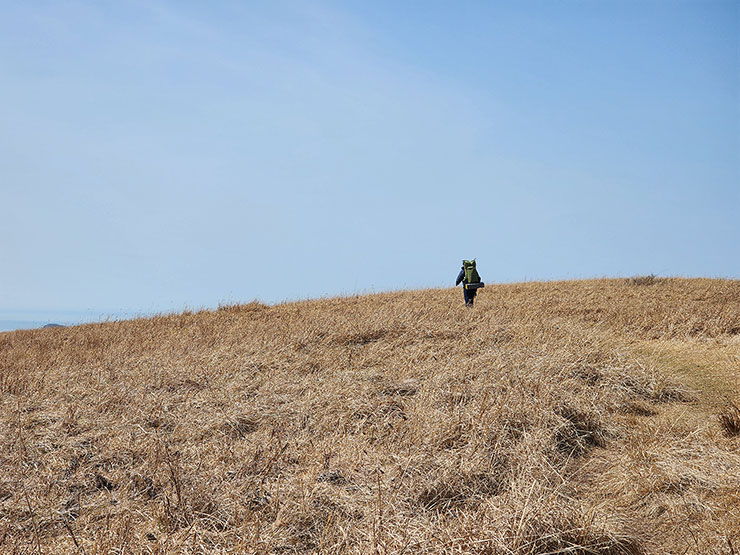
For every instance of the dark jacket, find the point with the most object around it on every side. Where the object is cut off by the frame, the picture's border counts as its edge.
(461, 277)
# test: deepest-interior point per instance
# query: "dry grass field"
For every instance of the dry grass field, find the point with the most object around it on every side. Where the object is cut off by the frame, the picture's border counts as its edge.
(594, 416)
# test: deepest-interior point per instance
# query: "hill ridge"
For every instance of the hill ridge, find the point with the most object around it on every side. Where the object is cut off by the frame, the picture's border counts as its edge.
(394, 422)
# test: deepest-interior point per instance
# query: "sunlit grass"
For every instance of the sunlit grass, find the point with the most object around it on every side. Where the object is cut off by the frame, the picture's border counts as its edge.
(543, 420)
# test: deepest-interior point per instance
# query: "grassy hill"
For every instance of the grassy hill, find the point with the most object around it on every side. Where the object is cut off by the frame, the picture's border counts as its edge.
(578, 417)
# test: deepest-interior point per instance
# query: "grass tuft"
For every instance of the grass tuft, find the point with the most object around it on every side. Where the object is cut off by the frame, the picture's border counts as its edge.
(729, 419)
(649, 279)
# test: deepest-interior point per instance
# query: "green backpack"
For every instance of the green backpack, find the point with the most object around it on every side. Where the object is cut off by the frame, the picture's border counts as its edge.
(471, 274)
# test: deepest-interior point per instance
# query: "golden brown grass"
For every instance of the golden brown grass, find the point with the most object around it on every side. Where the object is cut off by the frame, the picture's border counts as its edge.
(548, 419)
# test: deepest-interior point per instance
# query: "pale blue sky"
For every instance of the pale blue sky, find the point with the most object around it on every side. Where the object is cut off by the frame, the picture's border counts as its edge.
(157, 155)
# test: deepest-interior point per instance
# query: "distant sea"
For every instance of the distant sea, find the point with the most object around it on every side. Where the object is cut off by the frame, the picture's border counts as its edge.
(10, 325)
(11, 320)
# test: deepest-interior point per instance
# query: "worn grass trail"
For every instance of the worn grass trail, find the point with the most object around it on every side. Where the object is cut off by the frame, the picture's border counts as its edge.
(711, 369)
(571, 417)
(673, 476)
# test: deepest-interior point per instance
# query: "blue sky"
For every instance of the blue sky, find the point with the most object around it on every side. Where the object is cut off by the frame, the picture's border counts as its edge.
(158, 155)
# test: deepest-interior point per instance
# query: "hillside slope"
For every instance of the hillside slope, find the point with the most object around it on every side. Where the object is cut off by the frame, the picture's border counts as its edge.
(593, 417)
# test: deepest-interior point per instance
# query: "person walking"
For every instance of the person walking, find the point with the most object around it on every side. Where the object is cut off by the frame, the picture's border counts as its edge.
(469, 276)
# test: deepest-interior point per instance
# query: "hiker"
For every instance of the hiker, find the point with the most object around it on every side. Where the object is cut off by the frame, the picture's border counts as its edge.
(471, 281)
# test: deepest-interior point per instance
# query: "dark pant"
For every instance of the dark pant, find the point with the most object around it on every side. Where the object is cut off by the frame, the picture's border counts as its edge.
(469, 295)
